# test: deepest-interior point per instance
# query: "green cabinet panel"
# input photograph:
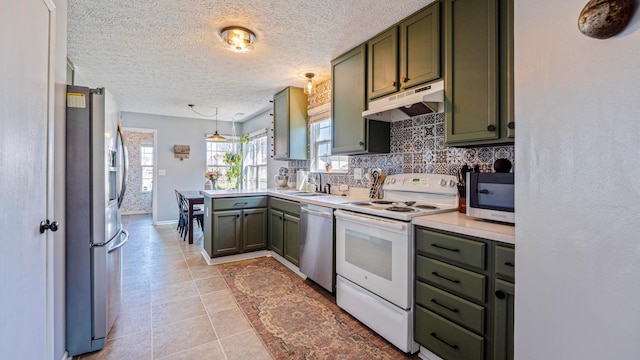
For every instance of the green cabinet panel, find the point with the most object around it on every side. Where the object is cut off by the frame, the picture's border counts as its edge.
(507, 117)
(471, 69)
(505, 262)
(292, 239)
(254, 229)
(290, 124)
(454, 248)
(276, 231)
(226, 232)
(207, 227)
(382, 56)
(452, 307)
(446, 339)
(503, 330)
(420, 47)
(247, 202)
(452, 278)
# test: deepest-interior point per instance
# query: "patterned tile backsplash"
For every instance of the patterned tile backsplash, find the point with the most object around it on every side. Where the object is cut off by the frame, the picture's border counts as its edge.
(417, 146)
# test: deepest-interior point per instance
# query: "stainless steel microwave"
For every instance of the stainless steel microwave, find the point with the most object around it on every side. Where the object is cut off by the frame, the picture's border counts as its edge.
(491, 196)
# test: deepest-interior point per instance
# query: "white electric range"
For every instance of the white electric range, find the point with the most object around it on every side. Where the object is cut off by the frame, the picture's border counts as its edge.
(375, 252)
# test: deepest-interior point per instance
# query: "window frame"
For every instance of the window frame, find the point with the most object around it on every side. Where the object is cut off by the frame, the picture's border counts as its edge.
(144, 165)
(252, 163)
(315, 144)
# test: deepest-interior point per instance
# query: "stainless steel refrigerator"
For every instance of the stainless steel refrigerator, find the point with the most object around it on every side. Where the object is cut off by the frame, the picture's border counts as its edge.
(96, 165)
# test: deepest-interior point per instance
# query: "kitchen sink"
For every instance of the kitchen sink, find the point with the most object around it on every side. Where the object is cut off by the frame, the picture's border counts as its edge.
(308, 194)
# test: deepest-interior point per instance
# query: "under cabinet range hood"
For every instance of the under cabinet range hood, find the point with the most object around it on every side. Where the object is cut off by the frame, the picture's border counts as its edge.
(407, 104)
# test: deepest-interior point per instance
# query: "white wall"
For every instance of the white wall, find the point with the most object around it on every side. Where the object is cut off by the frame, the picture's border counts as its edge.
(59, 239)
(185, 174)
(262, 121)
(578, 189)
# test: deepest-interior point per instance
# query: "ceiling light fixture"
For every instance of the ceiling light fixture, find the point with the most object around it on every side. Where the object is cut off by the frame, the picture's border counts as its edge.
(238, 38)
(309, 87)
(215, 137)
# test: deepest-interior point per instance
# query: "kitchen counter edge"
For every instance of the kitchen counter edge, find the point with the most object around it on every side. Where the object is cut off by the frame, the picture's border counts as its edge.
(458, 223)
(332, 201)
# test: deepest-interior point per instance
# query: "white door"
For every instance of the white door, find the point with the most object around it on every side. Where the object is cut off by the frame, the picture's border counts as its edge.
(25, 110)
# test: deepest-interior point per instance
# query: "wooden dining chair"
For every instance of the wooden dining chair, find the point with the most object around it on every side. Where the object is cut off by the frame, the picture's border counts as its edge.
(182, 216)
(197, 214)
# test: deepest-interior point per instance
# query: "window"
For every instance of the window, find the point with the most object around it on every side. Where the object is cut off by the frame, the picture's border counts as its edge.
(146, 165)
(255, 161)
(215, 158)
(320, 148)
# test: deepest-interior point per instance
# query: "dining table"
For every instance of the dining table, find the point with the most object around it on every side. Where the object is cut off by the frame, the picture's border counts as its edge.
(193, 197)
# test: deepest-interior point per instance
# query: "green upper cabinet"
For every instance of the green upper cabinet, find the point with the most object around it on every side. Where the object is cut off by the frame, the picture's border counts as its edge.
(351, 133)
(405, 56)
(507, 118)
(420, 47)
(476, 71)
(290, 124)
(382, 55)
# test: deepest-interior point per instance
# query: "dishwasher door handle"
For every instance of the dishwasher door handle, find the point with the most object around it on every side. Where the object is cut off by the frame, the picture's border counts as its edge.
(316, 213)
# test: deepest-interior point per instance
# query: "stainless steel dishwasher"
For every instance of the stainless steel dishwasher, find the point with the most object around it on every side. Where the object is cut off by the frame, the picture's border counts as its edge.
(316, 244)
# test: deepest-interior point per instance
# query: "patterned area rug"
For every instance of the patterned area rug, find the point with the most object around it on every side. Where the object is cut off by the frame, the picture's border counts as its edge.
(297, 322)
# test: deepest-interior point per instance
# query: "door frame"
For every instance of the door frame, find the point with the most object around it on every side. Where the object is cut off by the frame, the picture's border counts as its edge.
(50, 185)
(154, 193)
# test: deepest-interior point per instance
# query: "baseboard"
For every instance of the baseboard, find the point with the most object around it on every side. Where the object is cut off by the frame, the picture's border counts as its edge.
(231, 258)
(167, 222)
(425, 354)
(285, 262)
(65, 356)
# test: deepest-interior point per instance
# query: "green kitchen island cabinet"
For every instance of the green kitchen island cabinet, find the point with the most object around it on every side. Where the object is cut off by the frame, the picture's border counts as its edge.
(350, 132)
(235, 225)
(284, 229)
(290, 124)
(478, 72)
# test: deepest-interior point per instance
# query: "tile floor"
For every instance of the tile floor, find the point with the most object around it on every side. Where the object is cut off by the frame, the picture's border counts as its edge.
(174, 305)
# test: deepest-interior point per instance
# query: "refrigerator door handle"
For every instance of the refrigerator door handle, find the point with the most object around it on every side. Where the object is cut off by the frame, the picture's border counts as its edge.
(110, 240)
(121, 244)
(125, 165)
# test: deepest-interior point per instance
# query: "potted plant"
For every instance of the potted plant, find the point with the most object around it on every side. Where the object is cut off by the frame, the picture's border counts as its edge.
(234, 160)
(327, 163)
(212, 179)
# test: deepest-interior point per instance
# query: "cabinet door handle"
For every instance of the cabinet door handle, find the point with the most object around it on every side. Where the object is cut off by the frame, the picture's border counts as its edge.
(454, 347)
(508, 263)
(361, 143)
(500, 294)
(393, 83)
(405, 79)
(444, 306)
(444, 248)
(511, 125)
(237, 215)
(446, 278)
(491, 127)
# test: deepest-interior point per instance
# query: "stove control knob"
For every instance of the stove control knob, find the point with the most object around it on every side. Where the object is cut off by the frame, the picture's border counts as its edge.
(452, 183)
(443, 182)
(393, 180)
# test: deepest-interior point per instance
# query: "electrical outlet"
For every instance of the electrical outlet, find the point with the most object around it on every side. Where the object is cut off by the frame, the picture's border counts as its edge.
(357, 173)
(162, 172)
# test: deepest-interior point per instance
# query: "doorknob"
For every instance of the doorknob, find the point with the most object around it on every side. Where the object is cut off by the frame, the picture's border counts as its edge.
(46, 225)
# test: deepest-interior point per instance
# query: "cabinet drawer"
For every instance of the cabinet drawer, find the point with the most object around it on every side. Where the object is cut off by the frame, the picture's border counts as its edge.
(505, 259)
(456, 309)
(452, 278)
(240, 202)
(445, 338)
(285, 205)
(463, 251)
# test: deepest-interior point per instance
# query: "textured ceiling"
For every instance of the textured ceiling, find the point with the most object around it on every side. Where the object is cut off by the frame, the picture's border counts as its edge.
(157, 56)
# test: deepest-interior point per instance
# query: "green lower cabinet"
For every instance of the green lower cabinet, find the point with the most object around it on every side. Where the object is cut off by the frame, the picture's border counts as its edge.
(292, 239)
(227, 228)
(254, 230)
(276, 231)
(446, 339)
(503, 317)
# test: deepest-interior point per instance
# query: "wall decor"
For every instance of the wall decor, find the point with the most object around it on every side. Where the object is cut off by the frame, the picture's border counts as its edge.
(602, 19)
(181, 151)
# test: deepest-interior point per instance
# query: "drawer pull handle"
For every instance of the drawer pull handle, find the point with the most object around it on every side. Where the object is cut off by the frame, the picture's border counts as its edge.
(509, 264)
(240, 204)
(446, 278)
(444, 306)
(444, 248)
(454, 347)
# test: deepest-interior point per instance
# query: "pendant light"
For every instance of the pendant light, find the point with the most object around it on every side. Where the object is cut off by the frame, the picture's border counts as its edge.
(309, 87)
(215, 137)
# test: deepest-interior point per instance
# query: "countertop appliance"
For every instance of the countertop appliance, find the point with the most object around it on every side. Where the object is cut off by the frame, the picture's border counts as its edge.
(375, 252)
(491, 196)
(404, 105)
(96, 165)
(316, 244)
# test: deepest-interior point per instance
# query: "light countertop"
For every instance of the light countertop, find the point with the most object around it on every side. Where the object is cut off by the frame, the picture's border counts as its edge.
(461, 224)
(332, 201)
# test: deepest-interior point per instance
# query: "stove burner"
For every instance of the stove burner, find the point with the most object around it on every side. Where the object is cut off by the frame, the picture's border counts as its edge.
(400, 209)
(382, 202)
(361, 204)
(428, 207)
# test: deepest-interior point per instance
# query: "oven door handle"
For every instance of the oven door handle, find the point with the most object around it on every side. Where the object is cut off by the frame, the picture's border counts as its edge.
(370, 220)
